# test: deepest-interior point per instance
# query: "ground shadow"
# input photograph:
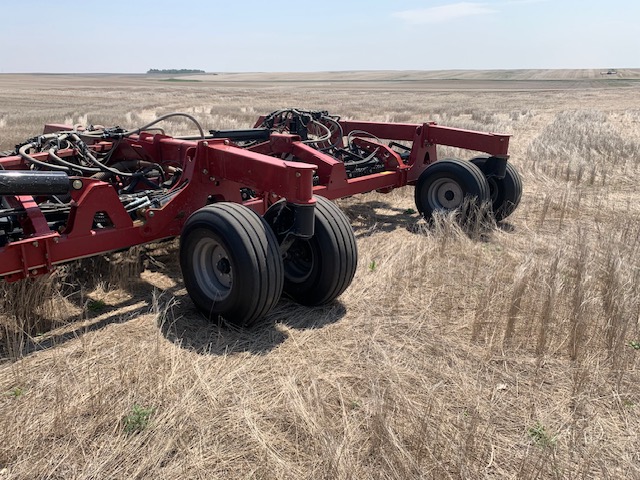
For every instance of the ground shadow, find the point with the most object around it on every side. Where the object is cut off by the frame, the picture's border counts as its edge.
(301, 317)
(193, 331)
(135, 304)
(366, 218)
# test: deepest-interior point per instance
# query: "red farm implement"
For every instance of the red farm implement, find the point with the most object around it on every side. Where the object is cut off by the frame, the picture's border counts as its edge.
(251, 206)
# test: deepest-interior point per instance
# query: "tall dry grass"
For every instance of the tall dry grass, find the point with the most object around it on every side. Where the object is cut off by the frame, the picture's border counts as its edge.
(502, 352)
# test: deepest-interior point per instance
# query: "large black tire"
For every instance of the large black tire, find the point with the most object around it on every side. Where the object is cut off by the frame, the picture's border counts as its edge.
(231, 263)
(451, 185)
(318, 270)
(506, 192)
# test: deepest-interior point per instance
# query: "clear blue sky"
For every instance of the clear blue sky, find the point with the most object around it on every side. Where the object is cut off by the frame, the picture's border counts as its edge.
(316, 35)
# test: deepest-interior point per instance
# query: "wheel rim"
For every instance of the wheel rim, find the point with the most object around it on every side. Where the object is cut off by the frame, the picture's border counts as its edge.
(493, 189)
(446, 194)
(212, 268)
(299, 262)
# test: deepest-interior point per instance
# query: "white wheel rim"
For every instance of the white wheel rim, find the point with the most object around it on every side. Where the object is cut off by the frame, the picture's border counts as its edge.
(212, 268)
(445, 194)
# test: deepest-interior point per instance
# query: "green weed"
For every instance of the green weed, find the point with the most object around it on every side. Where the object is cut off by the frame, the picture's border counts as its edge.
(538, 433)
(138, 419)
(15, 392)
(96, 306)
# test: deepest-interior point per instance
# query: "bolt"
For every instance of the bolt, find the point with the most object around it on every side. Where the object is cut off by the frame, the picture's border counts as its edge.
(77, 184)
(151, 213)
(34, 271)
(226, 142)
(205, 171)
(298, 174)
(35, 244)
(56, 240)
(213, 179)
(205, 144)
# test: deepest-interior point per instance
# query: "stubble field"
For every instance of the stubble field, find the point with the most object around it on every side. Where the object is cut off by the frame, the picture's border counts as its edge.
(509, 352)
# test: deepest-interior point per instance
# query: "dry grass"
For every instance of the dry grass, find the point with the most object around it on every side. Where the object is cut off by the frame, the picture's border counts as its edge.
(510, 352)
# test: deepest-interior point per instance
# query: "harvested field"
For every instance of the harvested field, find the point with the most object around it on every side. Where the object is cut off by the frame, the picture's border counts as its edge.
(506, 352)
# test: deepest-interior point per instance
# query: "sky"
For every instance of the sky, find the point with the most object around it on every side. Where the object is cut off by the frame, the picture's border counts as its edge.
(118, 36)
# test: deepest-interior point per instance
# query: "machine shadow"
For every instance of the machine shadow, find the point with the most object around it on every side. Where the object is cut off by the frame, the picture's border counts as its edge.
(301, 317)
(366, 220)
(136, 304)
(191, 330)
(177, 319)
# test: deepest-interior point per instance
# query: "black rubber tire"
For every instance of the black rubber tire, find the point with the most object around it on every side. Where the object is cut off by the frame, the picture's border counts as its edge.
(451, 185)
(318, 270)
(505, 193)
(231, 263)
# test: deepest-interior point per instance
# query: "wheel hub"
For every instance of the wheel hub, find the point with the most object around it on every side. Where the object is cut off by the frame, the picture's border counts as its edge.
(223, 266)
(446, 194)
(299, 261)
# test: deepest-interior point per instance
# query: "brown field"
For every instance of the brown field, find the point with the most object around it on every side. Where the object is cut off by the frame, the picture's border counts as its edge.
(511, 352)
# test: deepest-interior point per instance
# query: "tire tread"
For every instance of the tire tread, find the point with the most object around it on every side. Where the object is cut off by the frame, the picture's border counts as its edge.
(237, 223)
(335, 241)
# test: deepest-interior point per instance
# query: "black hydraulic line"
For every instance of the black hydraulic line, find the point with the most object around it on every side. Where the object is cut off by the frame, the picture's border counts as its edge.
(128, 133)
(72, 166)
(28, 158)
(84, 151)
(362, 161)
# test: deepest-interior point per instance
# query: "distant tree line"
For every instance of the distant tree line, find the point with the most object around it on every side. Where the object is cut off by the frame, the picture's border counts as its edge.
(174, 71)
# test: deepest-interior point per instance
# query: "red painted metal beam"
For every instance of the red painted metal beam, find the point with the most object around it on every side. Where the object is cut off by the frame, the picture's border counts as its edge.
(389, 131)
(492, 143)
(292, 180)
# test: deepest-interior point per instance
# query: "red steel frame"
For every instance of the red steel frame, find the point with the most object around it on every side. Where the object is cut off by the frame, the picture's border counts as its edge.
(216, 170)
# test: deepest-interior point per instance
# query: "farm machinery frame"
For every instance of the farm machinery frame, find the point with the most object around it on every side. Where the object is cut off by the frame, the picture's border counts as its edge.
(252, 207)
